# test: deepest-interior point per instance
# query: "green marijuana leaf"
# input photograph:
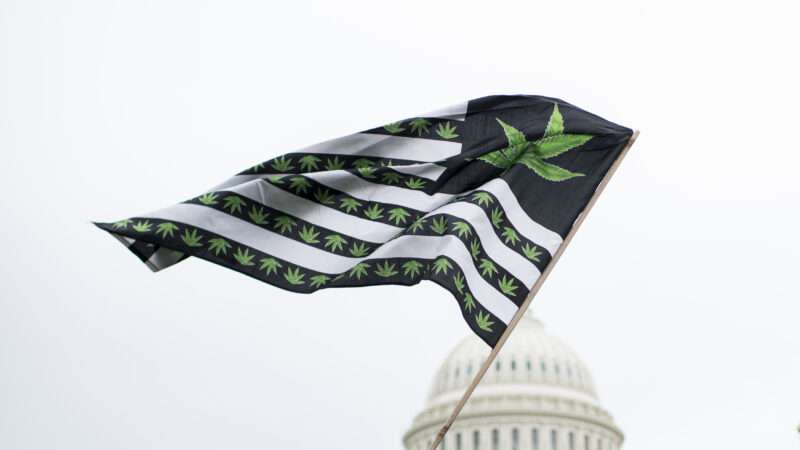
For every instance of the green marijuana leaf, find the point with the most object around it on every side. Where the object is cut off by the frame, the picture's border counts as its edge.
(309, 163)
(497, 217)
(349, 204)
(374, 212)
(324, 196)
(121, 224)
(411, 268)
(358, 249)
(394, 127)
(531, 252)
(367, 171)
(442, 265)
(166, 229)
(362, 162)
(294, 277)
(359, 270)
(192, 239)
(446, 131)
(309, 235)
(462, 228)
(300, 185)
(475, 248)
(417, 224)
(483, 198)
(142, 227)
(282, 164)
(271, 265)
(244, 258)
(258, 216)
(334, 164)
(507, 286)
(208, 199)
(335, 242)
(439, 225)
(483, 322)
(420, 126)
(458, 280)
(488, 268)
(510, 235)
(391, 177)
(386, 271)
(284, 224)
(234, 203)
(319, 280)
(219, 245)
(533, 154)
(469, 302)
(398, 215)
(415, 183)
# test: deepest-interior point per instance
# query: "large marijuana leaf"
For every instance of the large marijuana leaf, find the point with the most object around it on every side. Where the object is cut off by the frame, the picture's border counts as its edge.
(532, 154)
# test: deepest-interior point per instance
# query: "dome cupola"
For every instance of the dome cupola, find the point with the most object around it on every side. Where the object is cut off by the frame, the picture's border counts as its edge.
(538, 395)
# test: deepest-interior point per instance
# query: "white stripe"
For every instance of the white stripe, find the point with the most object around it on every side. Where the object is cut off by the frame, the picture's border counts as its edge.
(526, 226)
(383, 146)
(321, 261)
(454, 112)
(263, 192)
(427, 170)
(516, 264)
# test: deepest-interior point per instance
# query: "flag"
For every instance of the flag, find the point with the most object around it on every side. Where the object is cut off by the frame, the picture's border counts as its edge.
(476, 198)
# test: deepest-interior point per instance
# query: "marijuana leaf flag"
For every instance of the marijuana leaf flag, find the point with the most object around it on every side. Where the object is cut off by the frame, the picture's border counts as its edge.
(476, 198)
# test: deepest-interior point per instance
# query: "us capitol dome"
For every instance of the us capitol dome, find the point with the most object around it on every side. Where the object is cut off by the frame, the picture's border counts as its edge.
(538, 395)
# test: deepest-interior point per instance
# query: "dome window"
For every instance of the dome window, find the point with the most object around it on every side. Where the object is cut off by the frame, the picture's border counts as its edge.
(544, 367)
(513, 365)
(514, 439)
(571, 440)
(554, 440)
(476, 440)
(530, 366)
(586, 442)
(458, 441)
(495, 439)
(534, 439)
(497, 366)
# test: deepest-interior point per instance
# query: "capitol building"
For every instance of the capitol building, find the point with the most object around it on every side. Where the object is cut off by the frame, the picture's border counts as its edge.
(538, 395)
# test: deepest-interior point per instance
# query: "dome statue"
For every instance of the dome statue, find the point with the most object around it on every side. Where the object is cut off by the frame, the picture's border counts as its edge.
(538, 395)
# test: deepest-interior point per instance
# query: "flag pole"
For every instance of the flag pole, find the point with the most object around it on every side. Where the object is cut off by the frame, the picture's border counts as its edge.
(535, 289)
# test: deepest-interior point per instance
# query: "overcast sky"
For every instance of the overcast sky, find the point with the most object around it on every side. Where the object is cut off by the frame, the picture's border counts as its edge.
(680, 291)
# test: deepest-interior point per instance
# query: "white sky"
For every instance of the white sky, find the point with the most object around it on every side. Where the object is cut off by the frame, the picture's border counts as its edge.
(680, 291)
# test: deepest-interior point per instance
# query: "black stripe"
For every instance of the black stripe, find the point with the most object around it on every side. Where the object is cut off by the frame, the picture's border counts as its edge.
(432, 128)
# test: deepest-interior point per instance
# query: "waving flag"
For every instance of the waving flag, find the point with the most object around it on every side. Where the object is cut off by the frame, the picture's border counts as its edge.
(476, 198)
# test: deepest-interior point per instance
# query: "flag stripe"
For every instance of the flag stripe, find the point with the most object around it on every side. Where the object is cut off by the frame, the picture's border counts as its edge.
(427, 170)
(382, 146)
(297, 253)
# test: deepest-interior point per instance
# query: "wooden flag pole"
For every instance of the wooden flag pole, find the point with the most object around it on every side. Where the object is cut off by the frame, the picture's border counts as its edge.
(536, 286)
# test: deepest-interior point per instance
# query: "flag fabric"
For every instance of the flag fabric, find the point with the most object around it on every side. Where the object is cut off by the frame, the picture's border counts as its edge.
(476, 198)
